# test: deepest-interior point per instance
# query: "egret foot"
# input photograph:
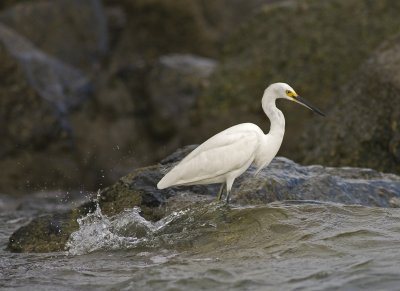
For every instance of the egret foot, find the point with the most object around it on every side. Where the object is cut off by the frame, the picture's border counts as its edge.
(227, 197)
(221, 190)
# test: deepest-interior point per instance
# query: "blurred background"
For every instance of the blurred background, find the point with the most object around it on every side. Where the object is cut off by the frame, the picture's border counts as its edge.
(91, 89)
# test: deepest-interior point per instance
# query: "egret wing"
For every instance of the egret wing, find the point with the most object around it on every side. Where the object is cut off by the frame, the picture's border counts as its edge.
(223, 153)
(225, 138)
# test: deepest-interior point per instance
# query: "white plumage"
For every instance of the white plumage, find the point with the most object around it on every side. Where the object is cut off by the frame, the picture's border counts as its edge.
(228, 154)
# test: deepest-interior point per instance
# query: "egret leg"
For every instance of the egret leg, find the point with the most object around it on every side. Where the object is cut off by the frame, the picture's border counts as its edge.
(227, 196)
(221, 190)
(229, 184)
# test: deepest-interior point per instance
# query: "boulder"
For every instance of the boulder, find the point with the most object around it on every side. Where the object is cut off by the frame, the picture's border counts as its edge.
(362, 127)
(146, 111)
(38, 93)
(74, 31)
(48, 233)
(281, 180)
(174, 85)
(315, 46)
(143, 30)
(7, 3)
(157, 27)
(93, 139)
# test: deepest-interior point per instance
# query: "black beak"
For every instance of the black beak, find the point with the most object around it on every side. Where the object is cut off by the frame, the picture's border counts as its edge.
(307, 104)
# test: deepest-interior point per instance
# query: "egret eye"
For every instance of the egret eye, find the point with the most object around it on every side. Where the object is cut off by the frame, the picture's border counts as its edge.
(289, 93)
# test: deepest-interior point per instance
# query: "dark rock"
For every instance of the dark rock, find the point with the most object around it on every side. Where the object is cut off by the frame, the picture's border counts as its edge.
(158, 27)
(315, 46)
(286, 180)
(62, 85)
(362, 128)
(144, 109)
(74, 31)
(174, 85)
(38, 93)
(163, 27)
(29, 123)
(8, 3)
(281, 180)
(51, 232)
(94, 142)
(48, 233)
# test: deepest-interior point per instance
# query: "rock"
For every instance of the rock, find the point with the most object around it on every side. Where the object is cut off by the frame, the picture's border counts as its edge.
(28, 124)
(8, 3)
(48, 233)
(174, 85)
(160, 27)
(75, 140)
(315, 46)
(286, 180)
(83, 25)
(62, 85)
(145, 110)
(38, 93)
(163, 27)
(281, 180)
(362, 127)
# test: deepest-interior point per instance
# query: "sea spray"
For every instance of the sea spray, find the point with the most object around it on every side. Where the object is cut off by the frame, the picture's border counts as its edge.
(125, 230)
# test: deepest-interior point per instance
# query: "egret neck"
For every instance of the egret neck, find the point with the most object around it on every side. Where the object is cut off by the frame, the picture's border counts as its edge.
(273, 140)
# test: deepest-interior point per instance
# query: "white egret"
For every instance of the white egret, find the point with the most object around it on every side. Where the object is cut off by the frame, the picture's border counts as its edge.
(228, 154)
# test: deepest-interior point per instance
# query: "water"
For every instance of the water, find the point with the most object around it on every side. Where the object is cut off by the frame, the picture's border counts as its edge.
(285, 246)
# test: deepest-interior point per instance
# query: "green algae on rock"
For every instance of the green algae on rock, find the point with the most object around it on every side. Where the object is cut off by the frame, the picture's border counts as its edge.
(48, 233)
(282, 180)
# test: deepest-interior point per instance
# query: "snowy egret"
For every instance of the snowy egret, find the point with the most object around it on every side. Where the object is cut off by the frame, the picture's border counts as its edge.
(228, 154)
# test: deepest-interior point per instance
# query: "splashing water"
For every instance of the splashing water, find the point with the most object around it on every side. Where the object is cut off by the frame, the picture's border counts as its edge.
(123, 231)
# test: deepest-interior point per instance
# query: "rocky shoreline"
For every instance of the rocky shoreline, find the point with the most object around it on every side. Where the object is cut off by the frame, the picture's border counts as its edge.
(282, 180)
(119, 89)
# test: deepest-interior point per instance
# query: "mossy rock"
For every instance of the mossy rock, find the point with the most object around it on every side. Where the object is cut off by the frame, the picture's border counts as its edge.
(50, 233)
(313, 45)
(362, 128)
(281, 180)
(135, 189)
(84, 36)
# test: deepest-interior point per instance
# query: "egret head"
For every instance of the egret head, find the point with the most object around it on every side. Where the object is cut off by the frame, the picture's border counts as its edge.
(283, 90)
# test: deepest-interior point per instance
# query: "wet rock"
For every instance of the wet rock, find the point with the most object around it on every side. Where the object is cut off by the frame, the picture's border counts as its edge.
(362, 128)
(139, 189)
(48, 233)
(286, 180)
(84, 36)
(281, 180)
(316, 46)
